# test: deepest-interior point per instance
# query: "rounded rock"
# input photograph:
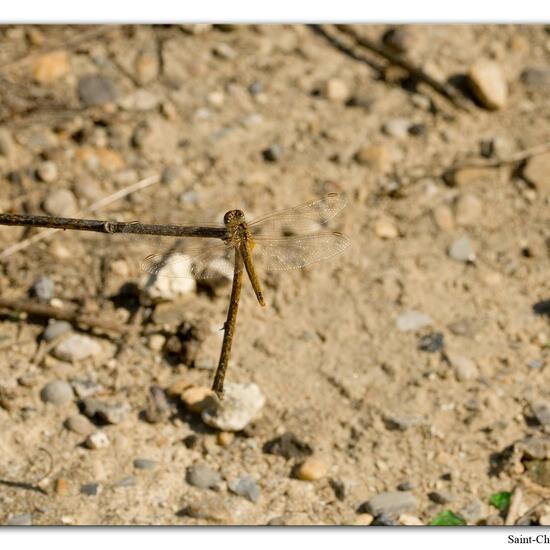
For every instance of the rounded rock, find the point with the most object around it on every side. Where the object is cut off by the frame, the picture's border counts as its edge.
(55, 329)
(488, 84)
(196, 398)
(79, 424)
(60, 202)
(312, 469)
(47, 171)
(97, 440)
(245, 486)
(57, 392)
(77, 347)
(386, 229)
(144, 464)
(43, 288)
(336, 90)
(96, 90)
(202, 476)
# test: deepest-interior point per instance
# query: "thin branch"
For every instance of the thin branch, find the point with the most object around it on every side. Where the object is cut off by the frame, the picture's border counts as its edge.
(138, 186)
(415, 71)
(71, 315)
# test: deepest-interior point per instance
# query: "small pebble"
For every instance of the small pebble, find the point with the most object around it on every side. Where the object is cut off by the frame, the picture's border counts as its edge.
(441, 497)
(57, 392)
(129, 481)
(85, 387)
(77, 347)
(398, 39)
(397, 128)
(443, 217)
(56, 329)
(336, 90)
(140, 100)
(97, 440)
(196, 398)
(412, 320)
(409, 519)
(61, 202)
(384, 520)
(474, 511)
(43, 289)
(541, 411)
(536, 77)
(468, 210)
(544, 520)
(79, 424)
(488, 84)
(7, 145)
(90, 489)
(96, 90)
(288, 446)
(241, 404)
(402, 422)
(273, 153)
(391, 503)
(464, 367)
(312, 469)
(22, 519)
(158, 407)
(175, 389)
(256, 88)
(156, 342)
(112, 413)
(535, 364)
(50, 67)
(386, 229)
(62, 487)
(405, 486)
(47, 171)
(224, 51)
(144, 464)
(536, 172)
(432, 342)
(376, 157)
(147, 67)
(363, 519)
(214, 508)
(461, 250)
(245, 486)
(202, 476)
(225, 439)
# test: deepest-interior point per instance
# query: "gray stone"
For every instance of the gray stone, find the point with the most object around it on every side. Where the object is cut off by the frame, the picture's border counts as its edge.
(90, 489)
(392, 503)
(43, 288)
(55, 329)
(245, 486)
(61, 202)
(96, 90)
(202, 476)
(85, 388)
(412, 320)
(129, 481)
(144, 464)
(79, 424)
(57, 392)
(461, 250)
(21, 519)
(241, 404)
(77, 347)
(541, 410)
(474, 511)
(536, 77)
(112, 413)
(288, 446)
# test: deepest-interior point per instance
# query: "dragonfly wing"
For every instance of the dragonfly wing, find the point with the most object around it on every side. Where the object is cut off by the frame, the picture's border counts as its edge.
(298, 251)
(306, 218)
(215, 261)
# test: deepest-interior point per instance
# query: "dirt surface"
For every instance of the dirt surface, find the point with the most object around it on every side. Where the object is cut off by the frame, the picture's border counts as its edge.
(263, 118)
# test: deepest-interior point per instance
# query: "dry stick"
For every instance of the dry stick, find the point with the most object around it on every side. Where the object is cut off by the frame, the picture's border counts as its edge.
(229, 325)
(43, 310)
(121, 193)
(408, 66)
(513, 508)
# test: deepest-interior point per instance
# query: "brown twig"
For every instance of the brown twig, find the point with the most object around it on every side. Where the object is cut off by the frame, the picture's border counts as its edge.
(73, 316)
(515, 504)
(415, 71)
(121, 193)
(229, 325)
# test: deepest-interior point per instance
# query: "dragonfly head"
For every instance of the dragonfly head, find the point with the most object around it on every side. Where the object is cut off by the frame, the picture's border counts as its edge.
(233, 217)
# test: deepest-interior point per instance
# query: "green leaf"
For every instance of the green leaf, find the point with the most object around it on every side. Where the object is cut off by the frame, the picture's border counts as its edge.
(447, 518)
(500, 500)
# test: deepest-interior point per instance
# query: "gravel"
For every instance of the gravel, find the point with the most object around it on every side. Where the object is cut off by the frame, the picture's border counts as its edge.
(245, 486)
(391, 503)
(95, 90)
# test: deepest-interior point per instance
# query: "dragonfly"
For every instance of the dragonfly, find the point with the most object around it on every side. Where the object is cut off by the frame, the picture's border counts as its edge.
(284, 240)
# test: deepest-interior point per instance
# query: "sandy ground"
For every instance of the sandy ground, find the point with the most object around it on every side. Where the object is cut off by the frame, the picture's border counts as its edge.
(263, 118)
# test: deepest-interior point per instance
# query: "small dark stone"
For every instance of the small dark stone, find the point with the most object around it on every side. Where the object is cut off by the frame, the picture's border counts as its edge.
(144, 464)
(96, 90)
(432, 342)
(417, 129)
(273, 153)
(405, 486)
(385, 520)
(256, 88)
(339, 488)
(191, 441)
(43, 289)
(397, 39)
(90, 489)
(441, 497)
(288, 446)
